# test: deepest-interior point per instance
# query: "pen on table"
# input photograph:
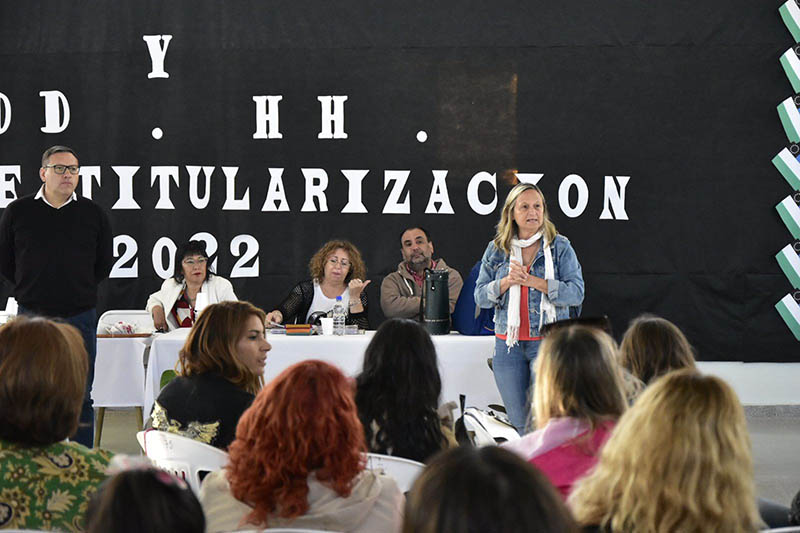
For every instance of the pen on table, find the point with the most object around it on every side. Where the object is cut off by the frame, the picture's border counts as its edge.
(276, 325)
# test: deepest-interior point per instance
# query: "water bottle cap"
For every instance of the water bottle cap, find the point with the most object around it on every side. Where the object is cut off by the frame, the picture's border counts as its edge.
(338, 298)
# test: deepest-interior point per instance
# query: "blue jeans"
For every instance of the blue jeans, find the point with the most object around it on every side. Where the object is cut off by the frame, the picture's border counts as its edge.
(513, 373)
(86, 323)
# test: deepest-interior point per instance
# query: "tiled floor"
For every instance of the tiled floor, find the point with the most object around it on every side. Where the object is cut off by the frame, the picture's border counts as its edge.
(776, 449)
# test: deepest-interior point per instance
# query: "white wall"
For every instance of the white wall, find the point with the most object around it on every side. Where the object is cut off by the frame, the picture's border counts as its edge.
(759, 383)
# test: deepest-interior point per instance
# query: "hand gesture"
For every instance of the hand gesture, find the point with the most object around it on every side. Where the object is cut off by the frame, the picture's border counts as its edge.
(274, 316)
(517, 275)
(356, 287)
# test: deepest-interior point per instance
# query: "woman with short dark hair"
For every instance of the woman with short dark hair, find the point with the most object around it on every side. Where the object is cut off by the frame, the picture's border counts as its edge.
(45, 480)
(398, 392)
(145, 500)
(173, 306)
(484, 490)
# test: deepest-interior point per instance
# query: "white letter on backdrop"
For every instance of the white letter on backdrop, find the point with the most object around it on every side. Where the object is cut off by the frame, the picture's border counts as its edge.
(332, 113)
(615, 197)
(275, 192)
(439, 194)
(54, 122)
(231, 202)
(472, 193)
(264, 117)
(354, 179)
(563, 195)
(157, 54)
(316, 183)
(163, 175)
(125, 200)
(87, 174)
(7, 185)
(194, 187)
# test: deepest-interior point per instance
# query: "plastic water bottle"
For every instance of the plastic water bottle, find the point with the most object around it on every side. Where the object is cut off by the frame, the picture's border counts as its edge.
(339, 315)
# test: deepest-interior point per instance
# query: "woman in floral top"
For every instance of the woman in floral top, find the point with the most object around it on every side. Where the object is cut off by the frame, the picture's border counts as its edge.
(45, 482)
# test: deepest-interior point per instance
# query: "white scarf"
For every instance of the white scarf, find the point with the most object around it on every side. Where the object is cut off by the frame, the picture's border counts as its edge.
(545, 306)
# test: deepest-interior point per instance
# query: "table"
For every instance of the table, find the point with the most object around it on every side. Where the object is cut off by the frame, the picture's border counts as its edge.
(462, 361)
(119, 371)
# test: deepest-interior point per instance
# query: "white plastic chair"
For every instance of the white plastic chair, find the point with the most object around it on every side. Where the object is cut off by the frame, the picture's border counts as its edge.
(139, 317)
(403, 471)
(182, 456)
(119, 367)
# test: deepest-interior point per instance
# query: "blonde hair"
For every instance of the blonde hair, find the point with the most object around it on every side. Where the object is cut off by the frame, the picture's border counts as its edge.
(577, 376)
(698, 479)
(507, 229)
(211, 344)
(653, 346)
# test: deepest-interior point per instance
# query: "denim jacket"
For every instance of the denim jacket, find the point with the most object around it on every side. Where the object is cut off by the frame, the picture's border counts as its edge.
(564, 291)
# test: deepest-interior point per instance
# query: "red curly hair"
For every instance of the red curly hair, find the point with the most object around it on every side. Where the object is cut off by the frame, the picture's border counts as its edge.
(304, 421)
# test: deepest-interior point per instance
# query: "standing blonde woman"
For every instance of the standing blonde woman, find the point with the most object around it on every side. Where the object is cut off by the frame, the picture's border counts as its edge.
(578, 398)
(531, 276)
(678, 460)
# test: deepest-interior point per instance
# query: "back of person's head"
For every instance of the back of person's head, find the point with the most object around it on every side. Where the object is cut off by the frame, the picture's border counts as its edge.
(211, 344)
(43, 367)
(398, 389)
(653, 346)
(145, 500)
(678, 460)
(303, 422)
(577, 376)
(484, 490)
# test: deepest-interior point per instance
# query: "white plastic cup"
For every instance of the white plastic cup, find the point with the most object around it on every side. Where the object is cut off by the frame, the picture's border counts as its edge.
(327, 325)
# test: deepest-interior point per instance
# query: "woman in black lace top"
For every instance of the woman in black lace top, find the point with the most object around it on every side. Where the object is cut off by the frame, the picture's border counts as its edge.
(336, 270)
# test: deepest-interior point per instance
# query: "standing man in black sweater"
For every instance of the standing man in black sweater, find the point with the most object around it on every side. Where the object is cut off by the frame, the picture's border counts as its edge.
(55, 247)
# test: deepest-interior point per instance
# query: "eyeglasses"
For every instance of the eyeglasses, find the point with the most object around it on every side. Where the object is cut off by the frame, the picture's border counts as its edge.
(192, 262)
(334, 261)
(60, 169)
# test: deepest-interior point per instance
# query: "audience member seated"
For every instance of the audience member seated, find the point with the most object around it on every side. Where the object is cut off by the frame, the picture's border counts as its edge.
(653, 346)
(336, 270)
(144, 499)
(173, 306)
(298, 461)
(484, 490)
(397, 393)
(45, 481)
(578, 397)
(221, 369)
(678, 460)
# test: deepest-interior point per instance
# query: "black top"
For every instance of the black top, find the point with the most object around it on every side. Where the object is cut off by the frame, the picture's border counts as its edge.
(204, 407)
(55, 257)
(295, 306)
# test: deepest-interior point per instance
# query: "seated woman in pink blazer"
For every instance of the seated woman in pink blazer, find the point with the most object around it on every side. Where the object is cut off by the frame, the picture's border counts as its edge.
(577, 399)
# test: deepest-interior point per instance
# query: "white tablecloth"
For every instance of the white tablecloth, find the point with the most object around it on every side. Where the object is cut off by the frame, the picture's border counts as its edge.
(119, 372)
(462, 361)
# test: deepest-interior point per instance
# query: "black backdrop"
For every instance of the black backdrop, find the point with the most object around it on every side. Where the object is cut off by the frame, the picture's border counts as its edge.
(679, 96)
